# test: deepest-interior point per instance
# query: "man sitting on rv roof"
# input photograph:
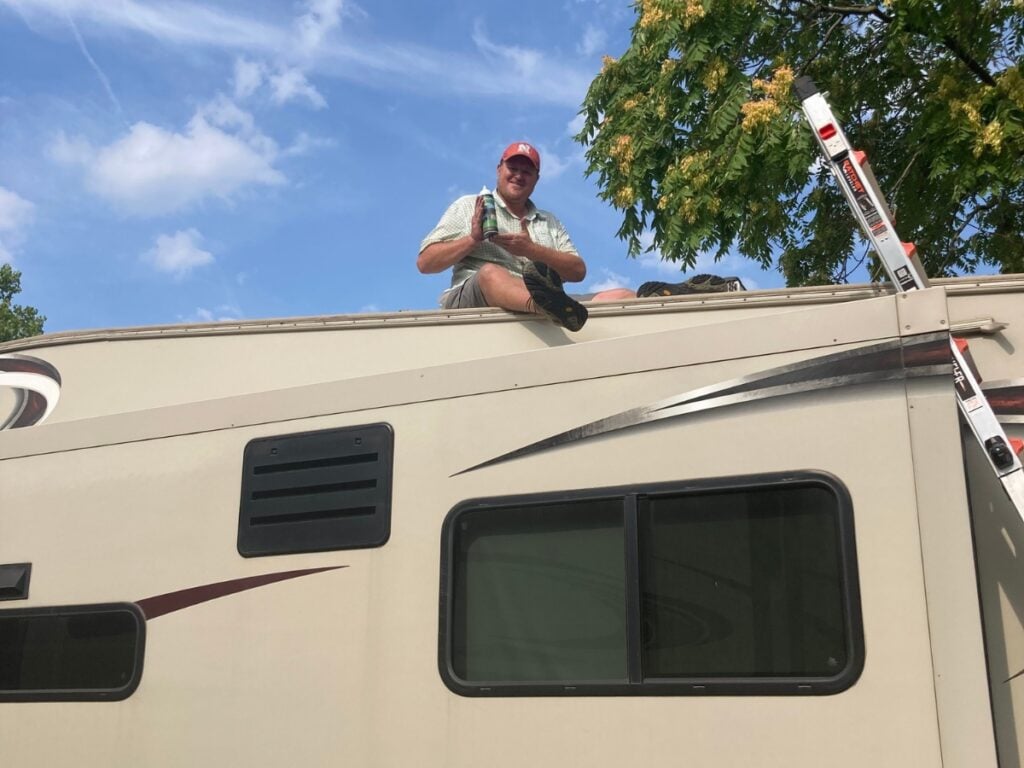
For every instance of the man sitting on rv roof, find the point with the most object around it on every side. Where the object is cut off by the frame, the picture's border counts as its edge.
(522, 267)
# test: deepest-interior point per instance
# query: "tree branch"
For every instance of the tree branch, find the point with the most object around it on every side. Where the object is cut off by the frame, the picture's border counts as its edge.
(816, 8)
(903, 175)
(858, 10)
(824, 42)
(968, 219)
(975, 67)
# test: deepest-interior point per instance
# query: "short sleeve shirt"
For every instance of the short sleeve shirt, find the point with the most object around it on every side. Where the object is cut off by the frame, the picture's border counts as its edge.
(544, 228)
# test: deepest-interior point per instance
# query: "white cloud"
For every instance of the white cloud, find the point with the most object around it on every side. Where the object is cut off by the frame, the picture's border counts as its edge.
(552, 165)
(184, 23)
(15, 211)
(594, 39)
(608, 281)
(494, 72)
(286, 83)
(16, 214)
(152, 171)
(304, 144)
(290, 83)
(249, 77)
(104, 80)
(731, 265)
(74, 150)
(223, 313)
(575, 125)
(525, 62)
(313, 26)
(178, 254)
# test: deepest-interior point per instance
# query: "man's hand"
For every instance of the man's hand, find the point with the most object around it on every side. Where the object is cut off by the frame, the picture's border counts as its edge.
(519, 244)
(476, 229)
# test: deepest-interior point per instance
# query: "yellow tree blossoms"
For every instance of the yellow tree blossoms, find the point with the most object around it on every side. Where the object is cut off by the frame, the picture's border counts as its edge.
(694, 135)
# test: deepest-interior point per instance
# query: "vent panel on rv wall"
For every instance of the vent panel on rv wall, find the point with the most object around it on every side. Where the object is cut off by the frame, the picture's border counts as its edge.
(316, 491)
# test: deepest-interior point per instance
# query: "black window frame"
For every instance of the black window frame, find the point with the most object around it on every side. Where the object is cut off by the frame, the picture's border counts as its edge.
(119, 693)
(637, 685)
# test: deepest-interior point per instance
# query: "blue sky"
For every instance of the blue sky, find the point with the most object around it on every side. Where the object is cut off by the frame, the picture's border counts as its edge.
(166, 162)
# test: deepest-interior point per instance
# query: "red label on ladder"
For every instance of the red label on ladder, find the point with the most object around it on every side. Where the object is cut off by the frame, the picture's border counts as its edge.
(860, 194)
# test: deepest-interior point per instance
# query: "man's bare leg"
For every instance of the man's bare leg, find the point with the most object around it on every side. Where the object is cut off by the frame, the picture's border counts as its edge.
(503, 289)
(544, 295)
(614, 294)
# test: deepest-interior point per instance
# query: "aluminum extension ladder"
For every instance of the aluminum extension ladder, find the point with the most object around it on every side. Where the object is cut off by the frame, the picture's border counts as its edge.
(853, 173)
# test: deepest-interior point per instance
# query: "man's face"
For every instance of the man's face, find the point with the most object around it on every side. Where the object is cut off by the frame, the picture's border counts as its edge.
(517, 177)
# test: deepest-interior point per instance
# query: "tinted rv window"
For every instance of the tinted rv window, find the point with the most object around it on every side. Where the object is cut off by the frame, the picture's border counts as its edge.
(540, 593)
(79, 652)
(742, 584)
(750, 588)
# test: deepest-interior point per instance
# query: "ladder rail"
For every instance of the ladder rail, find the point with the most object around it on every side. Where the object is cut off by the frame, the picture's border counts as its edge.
(858, 185)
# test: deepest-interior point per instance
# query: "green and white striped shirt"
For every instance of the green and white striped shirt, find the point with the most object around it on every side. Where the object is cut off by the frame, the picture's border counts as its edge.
(544, 228)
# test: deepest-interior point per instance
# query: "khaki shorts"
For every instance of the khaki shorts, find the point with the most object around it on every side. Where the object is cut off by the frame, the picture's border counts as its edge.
(469, 295)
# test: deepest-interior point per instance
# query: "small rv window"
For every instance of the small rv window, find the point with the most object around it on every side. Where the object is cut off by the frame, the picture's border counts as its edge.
(745, 588)
(73, 653)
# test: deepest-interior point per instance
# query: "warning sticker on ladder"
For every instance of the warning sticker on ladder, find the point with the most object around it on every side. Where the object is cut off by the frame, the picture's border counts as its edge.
(965, 390)
(860, 194)
(904, 278)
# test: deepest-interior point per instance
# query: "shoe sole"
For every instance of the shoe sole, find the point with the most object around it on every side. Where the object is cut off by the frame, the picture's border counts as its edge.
(696, 284)
(545, 287)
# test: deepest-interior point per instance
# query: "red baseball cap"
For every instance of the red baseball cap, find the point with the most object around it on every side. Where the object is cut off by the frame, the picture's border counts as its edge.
(522, 149)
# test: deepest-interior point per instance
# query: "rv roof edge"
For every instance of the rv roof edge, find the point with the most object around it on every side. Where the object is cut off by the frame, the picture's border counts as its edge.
(404, 318)
(781, 333)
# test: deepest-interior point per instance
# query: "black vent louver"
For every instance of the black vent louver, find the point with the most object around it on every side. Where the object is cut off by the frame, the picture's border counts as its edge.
(316, 491)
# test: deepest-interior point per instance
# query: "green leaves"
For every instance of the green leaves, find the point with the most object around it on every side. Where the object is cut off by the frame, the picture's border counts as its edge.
(694, 135)
(16, 322)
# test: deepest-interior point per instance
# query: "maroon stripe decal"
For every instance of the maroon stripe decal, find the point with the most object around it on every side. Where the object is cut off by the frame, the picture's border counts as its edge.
(186, 598)
(33, 410)
(25, 364)
(1006, 401)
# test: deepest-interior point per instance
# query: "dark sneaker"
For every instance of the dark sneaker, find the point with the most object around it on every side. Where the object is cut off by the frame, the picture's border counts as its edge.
(545, 286)
(696, 284)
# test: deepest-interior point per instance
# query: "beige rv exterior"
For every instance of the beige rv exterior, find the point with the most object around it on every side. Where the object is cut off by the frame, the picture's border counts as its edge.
(128, 492)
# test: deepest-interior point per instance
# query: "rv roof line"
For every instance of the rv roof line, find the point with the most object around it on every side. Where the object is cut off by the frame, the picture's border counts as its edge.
(406, 318)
